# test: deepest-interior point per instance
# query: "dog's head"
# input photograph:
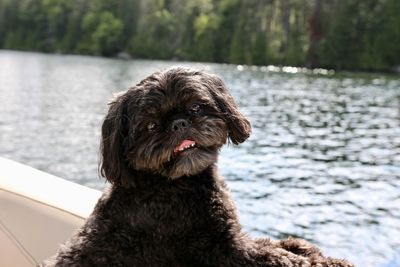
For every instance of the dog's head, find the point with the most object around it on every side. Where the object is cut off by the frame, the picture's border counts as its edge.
(172, 123)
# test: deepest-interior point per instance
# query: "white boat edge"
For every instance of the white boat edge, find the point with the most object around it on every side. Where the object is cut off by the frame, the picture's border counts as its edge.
(38, 212)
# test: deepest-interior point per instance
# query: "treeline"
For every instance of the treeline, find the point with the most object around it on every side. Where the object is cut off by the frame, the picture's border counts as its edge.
(340, 34)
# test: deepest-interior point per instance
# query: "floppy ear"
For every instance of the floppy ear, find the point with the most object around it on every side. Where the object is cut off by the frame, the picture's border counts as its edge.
(114, 135)
(238, 126)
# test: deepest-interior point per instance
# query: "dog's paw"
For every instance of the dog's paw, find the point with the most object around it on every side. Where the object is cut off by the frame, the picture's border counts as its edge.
(282, 258)
(329, 262)
(311, 252)
(298, 252)
(295, 260)
(296, 246)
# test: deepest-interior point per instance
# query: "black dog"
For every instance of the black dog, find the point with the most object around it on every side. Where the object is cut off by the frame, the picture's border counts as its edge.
(167, 205)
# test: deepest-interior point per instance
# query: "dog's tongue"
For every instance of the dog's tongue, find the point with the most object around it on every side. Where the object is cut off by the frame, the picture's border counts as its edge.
(183, 144)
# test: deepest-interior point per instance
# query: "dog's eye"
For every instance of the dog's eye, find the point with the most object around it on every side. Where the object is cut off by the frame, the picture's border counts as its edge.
(194, 109)
(151, 126)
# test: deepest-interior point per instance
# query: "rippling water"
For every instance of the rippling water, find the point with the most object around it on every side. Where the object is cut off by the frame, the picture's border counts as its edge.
(323, 162)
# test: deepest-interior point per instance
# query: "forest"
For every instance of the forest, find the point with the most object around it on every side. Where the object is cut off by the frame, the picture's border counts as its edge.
(336, 34)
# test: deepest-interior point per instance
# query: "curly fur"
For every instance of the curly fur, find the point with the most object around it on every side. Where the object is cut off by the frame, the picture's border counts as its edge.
(169, 208)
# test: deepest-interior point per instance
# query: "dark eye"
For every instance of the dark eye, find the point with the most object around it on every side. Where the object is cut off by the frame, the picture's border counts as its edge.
(151, 126)
(195, 109)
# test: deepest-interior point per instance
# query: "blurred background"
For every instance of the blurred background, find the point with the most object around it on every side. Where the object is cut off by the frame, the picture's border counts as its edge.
(352, 34)
(318, 80)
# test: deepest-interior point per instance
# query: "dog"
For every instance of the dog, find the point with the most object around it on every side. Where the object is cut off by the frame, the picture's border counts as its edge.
(167, 204)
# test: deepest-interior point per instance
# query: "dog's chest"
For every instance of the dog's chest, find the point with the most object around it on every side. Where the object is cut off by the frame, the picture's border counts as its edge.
(174, 212)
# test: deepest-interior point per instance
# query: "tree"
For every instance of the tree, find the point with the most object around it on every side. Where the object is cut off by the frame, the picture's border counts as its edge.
(104, 33)
(336, 34)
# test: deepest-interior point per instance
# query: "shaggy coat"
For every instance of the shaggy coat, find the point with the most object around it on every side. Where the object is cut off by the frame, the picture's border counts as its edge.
(167, 205)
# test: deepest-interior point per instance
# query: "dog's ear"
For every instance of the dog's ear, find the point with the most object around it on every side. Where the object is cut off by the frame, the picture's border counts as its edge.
(238, 126)
(114, 135)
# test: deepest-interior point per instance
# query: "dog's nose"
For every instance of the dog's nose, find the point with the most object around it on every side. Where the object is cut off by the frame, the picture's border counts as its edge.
(179, 125)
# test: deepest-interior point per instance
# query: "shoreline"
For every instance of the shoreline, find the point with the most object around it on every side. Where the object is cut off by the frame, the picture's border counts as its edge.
(123, 56)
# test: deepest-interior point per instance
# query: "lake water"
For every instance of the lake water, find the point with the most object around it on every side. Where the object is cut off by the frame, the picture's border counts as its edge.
(323, 162)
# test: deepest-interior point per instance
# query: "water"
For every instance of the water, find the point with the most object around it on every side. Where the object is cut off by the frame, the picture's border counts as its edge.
(323, 162)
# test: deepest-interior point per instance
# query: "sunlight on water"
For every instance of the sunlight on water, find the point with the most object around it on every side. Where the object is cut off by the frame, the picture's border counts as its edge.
(323, 162)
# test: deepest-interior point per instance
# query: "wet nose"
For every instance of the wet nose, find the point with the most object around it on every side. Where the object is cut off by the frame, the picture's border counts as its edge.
(179, 125)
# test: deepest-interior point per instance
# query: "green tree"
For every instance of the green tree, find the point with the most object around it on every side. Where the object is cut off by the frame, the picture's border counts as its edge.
(155, 30)
(336, 34)
(104, 33)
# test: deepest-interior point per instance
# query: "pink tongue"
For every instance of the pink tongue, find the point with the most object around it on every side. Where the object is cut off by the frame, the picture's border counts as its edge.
(184, 143)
